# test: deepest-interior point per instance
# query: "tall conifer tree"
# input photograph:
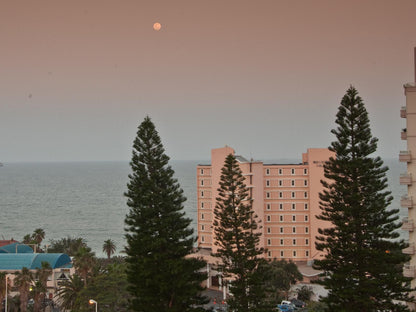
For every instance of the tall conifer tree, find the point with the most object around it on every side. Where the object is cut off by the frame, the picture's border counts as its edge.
(363, 263)
(159, 239)
(237, 238)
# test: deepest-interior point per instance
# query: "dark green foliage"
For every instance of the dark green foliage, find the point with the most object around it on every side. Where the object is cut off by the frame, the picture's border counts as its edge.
(69, 291)
(237, 238)
(305, 293)
(363, 262)
(159, 237)
(108, 288)
(316, 307)
(67, 245)
(35, 239)
(278, 277)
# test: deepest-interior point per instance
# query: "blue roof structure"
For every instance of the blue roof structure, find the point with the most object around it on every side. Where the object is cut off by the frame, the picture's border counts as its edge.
(16, 248)
(33, 261)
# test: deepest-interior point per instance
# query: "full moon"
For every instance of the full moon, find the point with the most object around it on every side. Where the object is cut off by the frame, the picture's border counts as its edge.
(157, 26)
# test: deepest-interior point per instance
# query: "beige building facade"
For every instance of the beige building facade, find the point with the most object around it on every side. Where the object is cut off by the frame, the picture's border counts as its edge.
(285, 199)
(409, 178)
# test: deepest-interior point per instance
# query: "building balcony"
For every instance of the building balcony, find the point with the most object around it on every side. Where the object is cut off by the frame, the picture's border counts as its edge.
(405, 156)
(409, 270)
(403, 112)
(404, 134)
(405, 179)
(406, 201)
(407, 225)
(409, 250)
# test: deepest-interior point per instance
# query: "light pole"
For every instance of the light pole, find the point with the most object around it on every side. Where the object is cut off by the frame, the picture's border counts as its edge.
(92, 301)
(6, 296)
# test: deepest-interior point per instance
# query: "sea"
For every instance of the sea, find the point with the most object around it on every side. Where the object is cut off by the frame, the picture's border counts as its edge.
(86, 199)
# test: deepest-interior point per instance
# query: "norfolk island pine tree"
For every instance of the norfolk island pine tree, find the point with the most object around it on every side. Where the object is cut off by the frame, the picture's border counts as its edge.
(363, 263)
(161, 274)
(237, 240)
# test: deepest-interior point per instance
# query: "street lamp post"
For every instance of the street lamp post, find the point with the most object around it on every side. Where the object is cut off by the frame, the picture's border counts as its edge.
(92, 301)
(6, 295)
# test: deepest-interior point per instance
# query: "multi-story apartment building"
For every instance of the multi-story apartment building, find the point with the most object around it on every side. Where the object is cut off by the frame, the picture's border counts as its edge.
(409, 156)
(285, 199)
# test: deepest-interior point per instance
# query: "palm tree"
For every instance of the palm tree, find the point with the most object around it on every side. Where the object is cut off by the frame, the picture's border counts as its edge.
(69, 291)
(38, 292)
(84, 261)
(27, 239)
(109, 248)
(41, 286)
(23, 280)
(38, 236)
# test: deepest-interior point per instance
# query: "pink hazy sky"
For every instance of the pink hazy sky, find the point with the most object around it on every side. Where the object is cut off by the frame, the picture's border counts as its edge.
(265, 77)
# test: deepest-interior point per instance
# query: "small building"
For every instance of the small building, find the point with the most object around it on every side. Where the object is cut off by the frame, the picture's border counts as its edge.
(16, 256)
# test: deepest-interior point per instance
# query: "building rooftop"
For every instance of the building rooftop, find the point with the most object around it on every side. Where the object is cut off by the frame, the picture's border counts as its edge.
(15, 247)
(33, 261)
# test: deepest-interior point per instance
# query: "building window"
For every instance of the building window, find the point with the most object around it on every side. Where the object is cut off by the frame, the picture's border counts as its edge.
(294, 253)
(267, 171)
(307, 242)
(269, 254)
(282, 242)
(293, 182)
(202, 193)
(202, 205)
(202, 182)
(293, 171)
(280, 182)
(282, 253)
(267, 195)
(268, 206)
(306, 206)
(281, 230)
(306, 194)
(281, 218)
(269, 218)
(306, 230)
(305, 171)
(280, 194)
(269, 230)
(294, 229)
(202, 216)
(305, 182)
(202, 239)
(306, 218)
(294, 242)
(202, 171)
(293, 218)
(269, 242)
(293, 206)
(293, 195)
(203, 227)
(267, 182)
(281, 206)
(280, 171)
(307, 253)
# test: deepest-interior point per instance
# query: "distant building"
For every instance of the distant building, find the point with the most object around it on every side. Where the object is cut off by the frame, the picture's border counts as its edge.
(409, 156)
(15, 256)
(285, 199)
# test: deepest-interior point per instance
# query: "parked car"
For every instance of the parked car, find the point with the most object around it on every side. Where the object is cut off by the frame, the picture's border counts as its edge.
(298, 303)
(286, 306)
